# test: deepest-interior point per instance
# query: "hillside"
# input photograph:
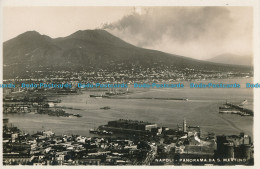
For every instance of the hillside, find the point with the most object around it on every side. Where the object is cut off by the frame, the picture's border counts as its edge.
(233, 59)
(94, 48)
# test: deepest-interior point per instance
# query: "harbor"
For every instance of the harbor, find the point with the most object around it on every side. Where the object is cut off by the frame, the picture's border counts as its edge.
(203, 102)
(231, 108)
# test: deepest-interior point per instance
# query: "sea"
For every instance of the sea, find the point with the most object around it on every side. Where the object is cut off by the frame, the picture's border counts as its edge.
(201, 109)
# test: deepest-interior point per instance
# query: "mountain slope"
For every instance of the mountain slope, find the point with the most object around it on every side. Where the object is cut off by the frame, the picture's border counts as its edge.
(29, 46)
(232, 59)
(95, 48)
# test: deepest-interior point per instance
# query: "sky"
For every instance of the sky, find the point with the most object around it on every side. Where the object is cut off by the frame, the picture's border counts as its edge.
(196, 32)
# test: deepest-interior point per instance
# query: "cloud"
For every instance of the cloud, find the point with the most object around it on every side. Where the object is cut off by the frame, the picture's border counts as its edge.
(198, 32)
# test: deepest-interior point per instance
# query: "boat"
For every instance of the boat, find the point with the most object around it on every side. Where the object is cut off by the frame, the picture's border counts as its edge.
(100, 132)
(244, 102)
(98, 96)
(245, 114)
(77, 115)
(105, 108)
(93, 131)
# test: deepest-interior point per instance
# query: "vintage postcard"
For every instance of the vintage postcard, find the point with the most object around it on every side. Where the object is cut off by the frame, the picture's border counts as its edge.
(171, 83)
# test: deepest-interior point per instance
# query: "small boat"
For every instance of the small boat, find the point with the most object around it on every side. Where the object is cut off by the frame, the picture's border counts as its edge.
(93, 131)
(105, 108)
(100, 132)
(77, 115)
(98, 96)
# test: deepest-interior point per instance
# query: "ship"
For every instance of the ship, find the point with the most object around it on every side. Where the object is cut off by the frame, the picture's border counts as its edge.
(93, 131)
(244, 102)
(105, 108)
(98, 96)
(100, 132)
(116, 92)
(77, 115)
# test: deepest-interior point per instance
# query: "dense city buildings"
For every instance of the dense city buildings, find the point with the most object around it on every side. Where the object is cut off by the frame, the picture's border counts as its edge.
(118, 73)
(157, 146)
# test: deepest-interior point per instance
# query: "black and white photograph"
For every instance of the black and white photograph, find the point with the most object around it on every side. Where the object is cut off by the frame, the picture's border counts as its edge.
(128, 85)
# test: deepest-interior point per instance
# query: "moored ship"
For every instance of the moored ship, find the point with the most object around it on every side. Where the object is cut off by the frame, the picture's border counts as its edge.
(98, 96)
